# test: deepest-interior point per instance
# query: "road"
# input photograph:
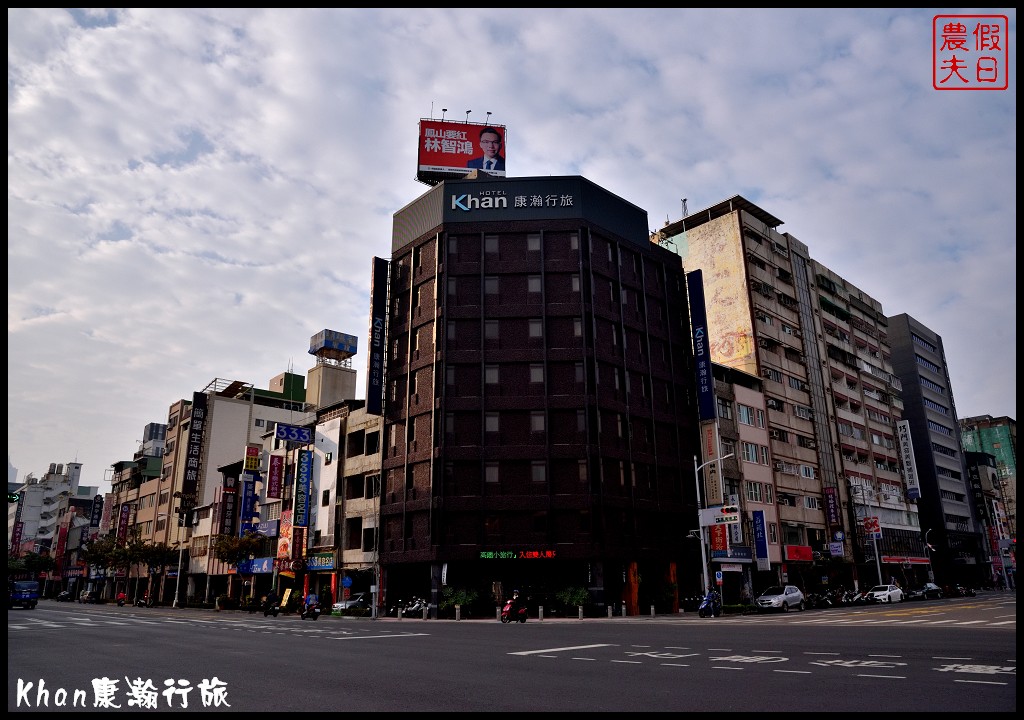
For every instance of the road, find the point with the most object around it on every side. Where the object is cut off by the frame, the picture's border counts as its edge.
(941, 656)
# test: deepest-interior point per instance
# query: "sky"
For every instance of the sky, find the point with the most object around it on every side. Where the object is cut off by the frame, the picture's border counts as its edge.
(194, 193)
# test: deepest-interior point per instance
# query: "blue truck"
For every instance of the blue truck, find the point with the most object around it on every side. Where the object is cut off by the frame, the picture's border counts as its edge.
(22, 593)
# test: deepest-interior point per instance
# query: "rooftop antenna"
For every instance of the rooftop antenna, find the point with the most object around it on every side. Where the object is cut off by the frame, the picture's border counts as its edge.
(443, 111)
(467, 115)
(684, 208)
(488, 117)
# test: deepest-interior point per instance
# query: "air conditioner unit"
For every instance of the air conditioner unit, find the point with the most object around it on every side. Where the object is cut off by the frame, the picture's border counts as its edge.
(774, 434)
(766, 373)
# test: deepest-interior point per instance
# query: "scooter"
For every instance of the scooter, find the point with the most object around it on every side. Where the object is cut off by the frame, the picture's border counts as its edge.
(510, 615)
(271, 608)
(711, 605)
(310, 612)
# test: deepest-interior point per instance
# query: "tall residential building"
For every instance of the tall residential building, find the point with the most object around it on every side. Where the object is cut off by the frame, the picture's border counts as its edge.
(949, 513)
(820, 345)
(996, 436)
(540, 419)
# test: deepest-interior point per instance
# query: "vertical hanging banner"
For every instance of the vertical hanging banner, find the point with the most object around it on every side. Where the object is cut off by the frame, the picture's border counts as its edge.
(761, 541)
(907, 456)
(229, 506)
(303, 479)
(248, 498)
(122, 524)
(701, 346)
(96, 515)
(194, 451)
(275, 478)
(284, 536)
(378, 337)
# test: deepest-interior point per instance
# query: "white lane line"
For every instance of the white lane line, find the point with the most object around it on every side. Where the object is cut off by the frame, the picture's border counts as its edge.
(562, 649)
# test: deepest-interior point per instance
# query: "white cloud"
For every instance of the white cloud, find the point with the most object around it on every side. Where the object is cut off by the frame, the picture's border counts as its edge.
(192, 194)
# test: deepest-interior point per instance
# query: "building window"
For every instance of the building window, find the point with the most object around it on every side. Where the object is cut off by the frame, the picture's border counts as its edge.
(451, 286)
(491, 422)
(724, 409)
(754, 492)
(491, 285)
(536, 373)
(491, 329)
(453, 246)
(491, 374)
(491, 244)
(749, 451)
(745, 414)
(728, 447)
(537, 421)
(533, 284)
(533, 242)
(579, 373)
(811, 502)
(538, 472)
(491, 472)
(575, 283)
(577, 327)
(536, 328)
(807, 471)
(449, 375)
(325, 498)
(583, 470)
(574, 241)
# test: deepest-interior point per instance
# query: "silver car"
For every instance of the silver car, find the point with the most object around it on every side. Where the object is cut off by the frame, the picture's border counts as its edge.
(780, 597)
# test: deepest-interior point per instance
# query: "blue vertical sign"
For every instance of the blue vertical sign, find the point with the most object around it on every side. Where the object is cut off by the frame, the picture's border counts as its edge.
(701, 349)
(760, 540)
(248, 501)
(303, 480)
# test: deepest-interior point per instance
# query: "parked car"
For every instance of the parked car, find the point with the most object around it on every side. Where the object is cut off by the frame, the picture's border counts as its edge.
(780, 597)
(958, 590)
(886, 593)
(925, 592)
(355, 600)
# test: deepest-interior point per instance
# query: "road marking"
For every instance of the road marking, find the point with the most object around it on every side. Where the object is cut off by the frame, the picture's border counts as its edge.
(562, 649)
(378, 637)
(884, 677)
(981, 682)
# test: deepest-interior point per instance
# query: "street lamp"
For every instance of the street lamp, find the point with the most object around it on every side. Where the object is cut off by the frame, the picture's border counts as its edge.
(928, 551)
(177, 583)
(700, 527)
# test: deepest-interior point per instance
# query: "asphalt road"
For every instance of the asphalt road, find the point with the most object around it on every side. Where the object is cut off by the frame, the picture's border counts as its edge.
(938, 656)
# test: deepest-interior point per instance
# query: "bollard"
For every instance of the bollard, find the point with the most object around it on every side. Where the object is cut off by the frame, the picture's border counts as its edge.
(426, 611)
(540, 612)
(581, 612)
(609, 611)
(458, 612)
(400, 612)
(652, 611)
(623, 609)
(497, 613)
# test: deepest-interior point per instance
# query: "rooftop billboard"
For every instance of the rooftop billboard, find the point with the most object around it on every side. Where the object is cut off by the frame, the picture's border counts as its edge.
(453, 149)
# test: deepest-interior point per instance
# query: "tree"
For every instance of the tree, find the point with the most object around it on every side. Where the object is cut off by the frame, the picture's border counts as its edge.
(233, 550)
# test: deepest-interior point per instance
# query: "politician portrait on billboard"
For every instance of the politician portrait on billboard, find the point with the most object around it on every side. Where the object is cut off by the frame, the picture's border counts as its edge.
(450, 150)
(490, 158)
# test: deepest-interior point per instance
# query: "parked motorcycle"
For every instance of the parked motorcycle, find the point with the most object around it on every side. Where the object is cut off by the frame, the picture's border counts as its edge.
(711, 605)
(513, 613)
(271, 608)
(310, 612)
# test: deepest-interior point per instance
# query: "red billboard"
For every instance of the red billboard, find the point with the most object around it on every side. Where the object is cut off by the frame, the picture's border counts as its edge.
(453, 149)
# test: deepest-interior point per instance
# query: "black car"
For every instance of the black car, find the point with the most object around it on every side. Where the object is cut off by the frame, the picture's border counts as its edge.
(927, 591)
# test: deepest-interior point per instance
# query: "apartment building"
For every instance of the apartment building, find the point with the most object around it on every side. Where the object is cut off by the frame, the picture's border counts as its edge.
(832, 400)
(951, 514)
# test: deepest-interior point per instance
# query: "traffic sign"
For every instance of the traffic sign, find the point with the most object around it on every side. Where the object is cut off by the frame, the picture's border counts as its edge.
(724, 514)
(346, 582)
(718, 577)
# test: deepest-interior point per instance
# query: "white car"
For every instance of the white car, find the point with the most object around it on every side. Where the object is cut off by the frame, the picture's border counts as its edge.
(781, 597)
(886, 593)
